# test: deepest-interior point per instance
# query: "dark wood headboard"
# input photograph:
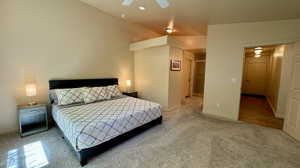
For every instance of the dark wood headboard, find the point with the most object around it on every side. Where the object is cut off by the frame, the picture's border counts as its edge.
(76, 83)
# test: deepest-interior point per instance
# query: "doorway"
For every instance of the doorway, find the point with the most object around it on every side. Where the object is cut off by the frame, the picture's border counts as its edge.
(193, 77)
(261, 86)
(187, 76)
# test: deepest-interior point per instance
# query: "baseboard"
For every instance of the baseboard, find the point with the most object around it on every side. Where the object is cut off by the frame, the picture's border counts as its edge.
(197, 94)
(273, 109)
(277, 115)
(253, 95)
(220, 117)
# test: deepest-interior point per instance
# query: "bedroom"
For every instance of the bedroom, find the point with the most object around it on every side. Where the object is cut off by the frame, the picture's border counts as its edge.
(69, 39)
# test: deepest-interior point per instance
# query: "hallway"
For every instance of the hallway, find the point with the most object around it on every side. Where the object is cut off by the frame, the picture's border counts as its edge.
(256, 110)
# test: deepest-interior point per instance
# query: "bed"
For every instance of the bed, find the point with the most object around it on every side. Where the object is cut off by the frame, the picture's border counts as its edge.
(91, 129)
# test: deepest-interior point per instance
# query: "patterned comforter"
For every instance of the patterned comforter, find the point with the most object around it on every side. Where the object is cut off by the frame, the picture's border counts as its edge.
(89, 125)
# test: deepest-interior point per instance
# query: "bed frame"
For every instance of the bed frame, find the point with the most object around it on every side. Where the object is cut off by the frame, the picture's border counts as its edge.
(85, 154)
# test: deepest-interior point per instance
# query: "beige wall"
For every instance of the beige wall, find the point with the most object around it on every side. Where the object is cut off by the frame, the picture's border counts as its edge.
(153, 79)
(175, 78)
(285, 80)
(152, 74)
(224, 61)
(274, 76)
(188, 63)
(192, 42)
(42, 40)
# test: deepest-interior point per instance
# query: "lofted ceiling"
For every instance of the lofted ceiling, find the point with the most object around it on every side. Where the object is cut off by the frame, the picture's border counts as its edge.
(191, 17)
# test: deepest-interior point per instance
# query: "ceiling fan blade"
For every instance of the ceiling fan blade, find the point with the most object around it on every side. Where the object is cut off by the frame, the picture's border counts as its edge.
(127, 2)
(163, 3)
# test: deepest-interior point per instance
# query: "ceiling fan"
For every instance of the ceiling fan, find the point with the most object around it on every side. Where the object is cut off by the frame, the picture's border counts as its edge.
(161, 3)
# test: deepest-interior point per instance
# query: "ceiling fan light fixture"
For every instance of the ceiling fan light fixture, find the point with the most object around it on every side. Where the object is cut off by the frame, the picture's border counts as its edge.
(127, 2)
(163, 3)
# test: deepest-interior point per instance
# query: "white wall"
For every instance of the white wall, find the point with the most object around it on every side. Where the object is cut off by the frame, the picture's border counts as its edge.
(224, 63)
(152, 74)
(42, 40)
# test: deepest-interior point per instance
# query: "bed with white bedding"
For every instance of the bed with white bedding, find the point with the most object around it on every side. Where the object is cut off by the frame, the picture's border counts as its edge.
(89, 125)
(92, 128)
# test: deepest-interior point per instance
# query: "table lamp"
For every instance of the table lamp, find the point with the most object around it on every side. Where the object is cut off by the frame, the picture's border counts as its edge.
(128, 85)
(31, 92)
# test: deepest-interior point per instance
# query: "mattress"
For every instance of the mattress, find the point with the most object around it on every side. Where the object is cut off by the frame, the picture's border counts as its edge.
(89, 125)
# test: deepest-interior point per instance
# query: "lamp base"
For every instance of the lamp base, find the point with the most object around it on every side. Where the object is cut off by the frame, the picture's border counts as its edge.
(32, 103)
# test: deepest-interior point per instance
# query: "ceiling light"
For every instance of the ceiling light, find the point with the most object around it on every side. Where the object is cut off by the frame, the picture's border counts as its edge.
(170, 30)
(257, 55)
(142, 8)
(257, 51)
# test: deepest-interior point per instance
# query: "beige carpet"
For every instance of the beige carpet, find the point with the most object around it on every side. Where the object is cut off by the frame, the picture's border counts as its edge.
(186, 139)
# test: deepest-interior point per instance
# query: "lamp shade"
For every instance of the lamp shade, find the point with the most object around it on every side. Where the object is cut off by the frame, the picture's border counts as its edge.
(128, 83)
(30, 90)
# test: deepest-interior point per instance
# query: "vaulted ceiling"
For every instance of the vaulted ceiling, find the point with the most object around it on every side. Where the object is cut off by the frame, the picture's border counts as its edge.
(191, 17)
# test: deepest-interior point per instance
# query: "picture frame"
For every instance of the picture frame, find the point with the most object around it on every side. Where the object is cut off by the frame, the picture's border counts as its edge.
(175, 65)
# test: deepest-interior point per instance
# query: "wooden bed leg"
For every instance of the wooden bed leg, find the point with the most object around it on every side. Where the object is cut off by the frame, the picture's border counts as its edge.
(83, 162)
(160, 120)
(82, 159)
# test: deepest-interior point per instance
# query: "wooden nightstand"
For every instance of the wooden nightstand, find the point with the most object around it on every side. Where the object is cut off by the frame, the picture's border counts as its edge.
(131, 94)
(32, 119)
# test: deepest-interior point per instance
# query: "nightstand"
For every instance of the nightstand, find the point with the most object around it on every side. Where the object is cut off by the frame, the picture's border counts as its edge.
(32, 119)
(131, 94)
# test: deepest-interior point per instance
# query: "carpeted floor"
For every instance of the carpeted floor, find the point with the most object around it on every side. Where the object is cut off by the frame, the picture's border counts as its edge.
(186, 139)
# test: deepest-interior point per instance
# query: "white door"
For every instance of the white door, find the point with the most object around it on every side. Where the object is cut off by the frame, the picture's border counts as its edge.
(292, 118)
(255, 73)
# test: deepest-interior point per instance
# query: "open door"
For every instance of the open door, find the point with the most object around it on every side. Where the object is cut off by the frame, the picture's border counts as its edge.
(292, 122)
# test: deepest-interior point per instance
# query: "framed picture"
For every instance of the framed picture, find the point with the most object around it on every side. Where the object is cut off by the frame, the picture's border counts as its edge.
(175, 65)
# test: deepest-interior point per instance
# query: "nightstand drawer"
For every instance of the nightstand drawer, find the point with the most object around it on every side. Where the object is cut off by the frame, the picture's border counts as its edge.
(33, 110)
(32, 119)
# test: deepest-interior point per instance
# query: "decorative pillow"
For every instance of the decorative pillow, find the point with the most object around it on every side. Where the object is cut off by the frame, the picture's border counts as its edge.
(113, 91)
(53, 97)
(95, 94)
(69, 96)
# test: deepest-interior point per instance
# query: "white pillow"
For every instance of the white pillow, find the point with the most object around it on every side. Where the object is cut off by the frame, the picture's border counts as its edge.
(69, 96)
(113, 91)
(95, 94)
